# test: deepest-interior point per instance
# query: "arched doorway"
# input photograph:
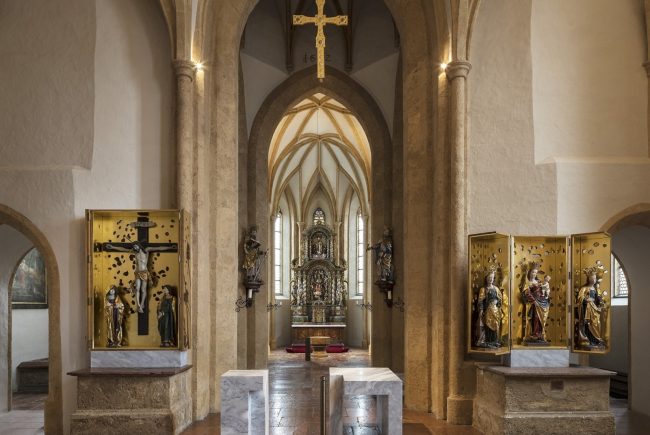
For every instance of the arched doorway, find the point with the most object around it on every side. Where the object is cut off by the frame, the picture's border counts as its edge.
(319, 178)
(53, 404)
(630, 230)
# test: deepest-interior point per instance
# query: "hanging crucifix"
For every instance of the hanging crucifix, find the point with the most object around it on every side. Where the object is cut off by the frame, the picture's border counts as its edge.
(320, 20)
(143, 279)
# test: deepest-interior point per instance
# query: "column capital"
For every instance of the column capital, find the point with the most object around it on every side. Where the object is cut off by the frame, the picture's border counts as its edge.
(458, 68)
(646, 65)
(184, 68)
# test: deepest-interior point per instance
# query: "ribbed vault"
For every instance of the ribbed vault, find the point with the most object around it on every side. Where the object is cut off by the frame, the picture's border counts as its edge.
(319, 149)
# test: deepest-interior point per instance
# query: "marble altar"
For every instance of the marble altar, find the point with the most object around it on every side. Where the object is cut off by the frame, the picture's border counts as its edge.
(366, 381)
(245, 402)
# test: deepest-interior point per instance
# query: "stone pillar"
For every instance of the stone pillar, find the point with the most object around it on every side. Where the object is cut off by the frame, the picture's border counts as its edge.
(459, 402)
(184, 71)
(646, 65)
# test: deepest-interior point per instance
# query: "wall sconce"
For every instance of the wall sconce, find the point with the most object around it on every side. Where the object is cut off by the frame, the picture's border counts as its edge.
(274, 306)
(366, 305)
(386, 287)
(251, 289)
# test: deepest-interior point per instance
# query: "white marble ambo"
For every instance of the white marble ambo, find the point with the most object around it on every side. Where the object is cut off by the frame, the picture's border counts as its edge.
(366, 381)
(138, 358)
(538, 358)
(245, 402)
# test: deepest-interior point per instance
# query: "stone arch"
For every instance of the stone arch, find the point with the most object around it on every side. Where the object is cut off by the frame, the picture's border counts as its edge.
(54, 402)
(341, 87)
(638, 214)
(437, 379)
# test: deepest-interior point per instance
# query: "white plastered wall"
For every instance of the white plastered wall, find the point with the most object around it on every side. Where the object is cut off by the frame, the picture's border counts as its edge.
(508, 191)
(87, 126)
(590, 107)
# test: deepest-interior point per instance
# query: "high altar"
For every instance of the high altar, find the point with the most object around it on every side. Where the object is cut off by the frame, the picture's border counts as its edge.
(318, 286)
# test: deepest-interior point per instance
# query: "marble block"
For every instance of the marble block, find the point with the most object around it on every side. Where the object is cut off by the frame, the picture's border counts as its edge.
(538, 358)
(245, 402)
(138, 358)
(555, 400)
(366, 381)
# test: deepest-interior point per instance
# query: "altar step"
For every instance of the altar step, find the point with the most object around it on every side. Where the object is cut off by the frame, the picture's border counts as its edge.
(330, 348)
(32, 376)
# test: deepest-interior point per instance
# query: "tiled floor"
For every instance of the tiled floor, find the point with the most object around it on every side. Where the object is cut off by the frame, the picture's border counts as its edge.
(295, 405)
(26, 417)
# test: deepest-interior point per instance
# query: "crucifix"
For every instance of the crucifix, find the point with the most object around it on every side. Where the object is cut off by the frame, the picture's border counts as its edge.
(141, 249)
(320, 20)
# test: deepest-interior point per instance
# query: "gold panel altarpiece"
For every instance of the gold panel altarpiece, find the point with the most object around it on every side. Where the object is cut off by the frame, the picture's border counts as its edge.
(138, 279)
(542, 292)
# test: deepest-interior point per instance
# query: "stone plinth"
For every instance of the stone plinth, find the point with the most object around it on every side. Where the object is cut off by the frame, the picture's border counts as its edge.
(245, 402)
(380, 382)
(132, 400)
(566, 400)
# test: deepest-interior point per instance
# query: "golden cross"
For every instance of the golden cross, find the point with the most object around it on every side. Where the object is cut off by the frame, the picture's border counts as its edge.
(320, 20)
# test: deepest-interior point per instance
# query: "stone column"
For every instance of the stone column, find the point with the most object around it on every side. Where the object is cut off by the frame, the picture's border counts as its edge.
(184, 71)
(459, 404)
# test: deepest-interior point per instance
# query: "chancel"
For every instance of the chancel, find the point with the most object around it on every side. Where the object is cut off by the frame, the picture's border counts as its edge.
(442, 201)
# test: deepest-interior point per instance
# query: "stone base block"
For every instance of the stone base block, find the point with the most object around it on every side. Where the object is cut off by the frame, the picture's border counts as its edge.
(127, 400)
(538, 358)
(139, 359)
(550, 401)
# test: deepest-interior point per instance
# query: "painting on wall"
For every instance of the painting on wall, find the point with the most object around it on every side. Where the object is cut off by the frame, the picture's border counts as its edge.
(28, 284)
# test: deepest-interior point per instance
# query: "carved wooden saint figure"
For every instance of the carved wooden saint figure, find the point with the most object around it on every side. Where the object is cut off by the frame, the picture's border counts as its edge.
(491, 316)
(591, 306)
(253, 256)
(114, 315)
(536, 297)
(167, 318)
(384, 256)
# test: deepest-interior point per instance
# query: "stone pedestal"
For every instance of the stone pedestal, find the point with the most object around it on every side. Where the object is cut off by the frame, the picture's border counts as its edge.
(373, 381)
(553, 400)
(132, 400)
(245, 402)
(538, 358)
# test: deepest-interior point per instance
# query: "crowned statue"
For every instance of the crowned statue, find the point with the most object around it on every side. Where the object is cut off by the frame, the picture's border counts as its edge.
(491, 306)
(591, 311)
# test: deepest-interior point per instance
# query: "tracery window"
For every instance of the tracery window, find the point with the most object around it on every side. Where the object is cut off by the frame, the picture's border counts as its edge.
(319, 216)
(620, 284)
(277, 254)
(361, 254)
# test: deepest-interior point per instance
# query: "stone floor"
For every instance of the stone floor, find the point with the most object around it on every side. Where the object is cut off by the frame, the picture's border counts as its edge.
(295, 406)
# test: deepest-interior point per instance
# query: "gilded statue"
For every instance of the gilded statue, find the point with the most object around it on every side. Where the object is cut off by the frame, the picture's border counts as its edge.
(384, 256)
(592, 311)
(253, 256)
(143, 278)
(491, 307)
(114, 315)
(536, 297)
(167, 318)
